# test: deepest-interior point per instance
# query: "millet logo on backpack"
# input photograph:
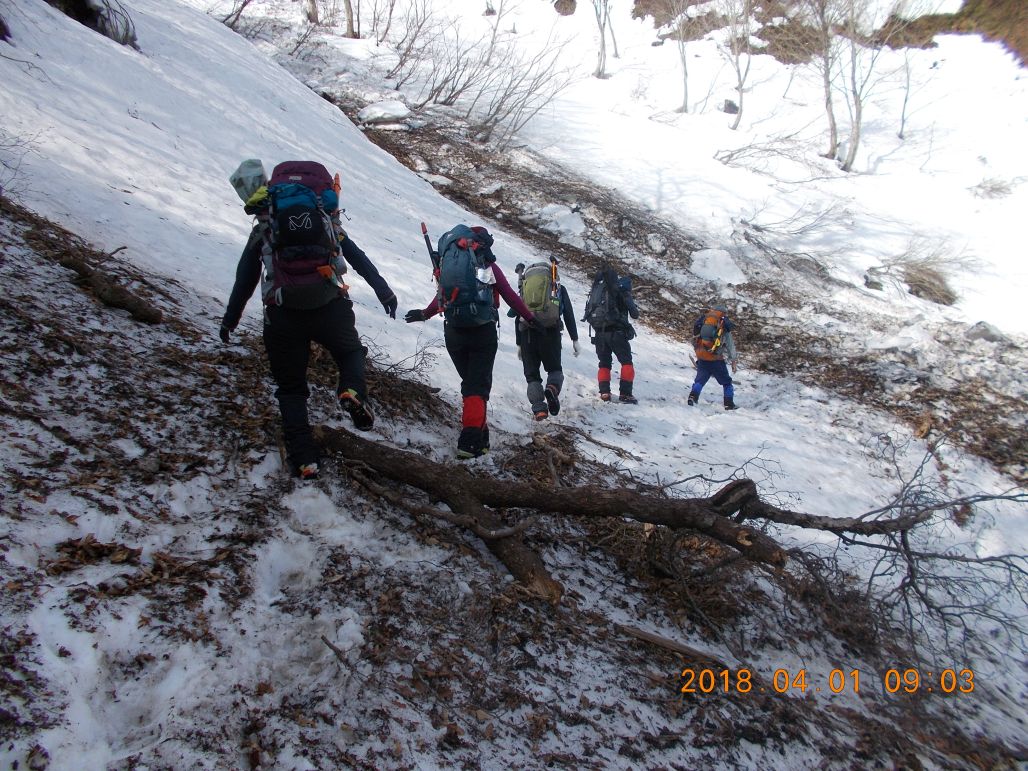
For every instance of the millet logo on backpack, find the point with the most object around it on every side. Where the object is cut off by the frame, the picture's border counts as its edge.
(303, 222)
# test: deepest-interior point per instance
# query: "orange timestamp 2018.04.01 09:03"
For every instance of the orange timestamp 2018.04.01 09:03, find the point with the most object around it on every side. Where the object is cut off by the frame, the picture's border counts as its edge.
(892, 681)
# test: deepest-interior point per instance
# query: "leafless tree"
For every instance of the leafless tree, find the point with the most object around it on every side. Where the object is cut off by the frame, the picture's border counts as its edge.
(516, 91)
(846, 40)
(602, 11)
(613, 40)
(324, 20)
(232, 17)
(310, 11)
(825, 18)
(676, 11)
(907, 66)
(457, 66)
(736, 47)
(867, 34)
(505, 9)
(382, 19)
(497, 87)
(348, 11)
(940, 593)
(420, 30)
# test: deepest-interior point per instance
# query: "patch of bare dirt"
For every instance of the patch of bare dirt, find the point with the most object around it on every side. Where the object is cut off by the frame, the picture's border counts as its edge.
(1005, 21)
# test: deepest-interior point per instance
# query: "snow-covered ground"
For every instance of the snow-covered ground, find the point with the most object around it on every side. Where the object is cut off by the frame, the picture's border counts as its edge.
(131, 150)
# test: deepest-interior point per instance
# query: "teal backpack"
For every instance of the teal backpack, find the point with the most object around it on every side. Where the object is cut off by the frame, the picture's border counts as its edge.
(465, 288)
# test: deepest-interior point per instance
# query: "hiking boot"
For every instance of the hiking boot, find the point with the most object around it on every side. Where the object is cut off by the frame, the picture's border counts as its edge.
(604, 396)
(730, 403)
(693, 398)
(541, 415)
(308, 471)
(552, 402)
(627, 399)
(359, 411)
(471, 443)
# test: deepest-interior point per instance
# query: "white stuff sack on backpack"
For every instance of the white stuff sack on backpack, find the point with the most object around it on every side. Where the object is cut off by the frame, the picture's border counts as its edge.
(248, 178)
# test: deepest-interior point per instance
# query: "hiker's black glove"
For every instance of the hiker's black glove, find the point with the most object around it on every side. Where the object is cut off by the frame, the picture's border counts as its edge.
(533, 325)
(414, 315)
(390, 304)
(223, 333)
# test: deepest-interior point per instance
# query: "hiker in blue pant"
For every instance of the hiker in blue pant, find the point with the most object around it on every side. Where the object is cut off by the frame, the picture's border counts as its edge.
(715, 353)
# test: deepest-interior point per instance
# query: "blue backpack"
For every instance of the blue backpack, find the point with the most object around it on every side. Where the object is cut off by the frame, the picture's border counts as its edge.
(465, 290)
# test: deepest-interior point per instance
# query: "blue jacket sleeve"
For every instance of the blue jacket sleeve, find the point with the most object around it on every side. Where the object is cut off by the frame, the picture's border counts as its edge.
(354, 255)
(248, 275)
(568, 313)
(633, 309)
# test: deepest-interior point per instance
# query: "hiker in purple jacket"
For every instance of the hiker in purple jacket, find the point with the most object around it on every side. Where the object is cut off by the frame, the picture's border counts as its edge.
(470, 285)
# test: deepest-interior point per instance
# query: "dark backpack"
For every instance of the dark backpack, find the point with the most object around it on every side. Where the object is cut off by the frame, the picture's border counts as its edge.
(302, 264)
(466, 299)
(604, 308)
(711, 335)
(539, 287)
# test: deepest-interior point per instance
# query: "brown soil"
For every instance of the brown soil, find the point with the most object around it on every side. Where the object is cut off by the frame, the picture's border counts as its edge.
(1005, 21)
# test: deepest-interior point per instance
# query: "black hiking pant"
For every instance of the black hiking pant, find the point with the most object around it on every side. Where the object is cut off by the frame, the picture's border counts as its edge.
(473, 351)
(288, 334)
(611, 342)
(541, 347)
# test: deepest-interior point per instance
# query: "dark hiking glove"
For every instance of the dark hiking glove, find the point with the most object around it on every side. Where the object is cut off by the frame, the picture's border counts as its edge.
(223, 333)
(390, 304)
(414, 315)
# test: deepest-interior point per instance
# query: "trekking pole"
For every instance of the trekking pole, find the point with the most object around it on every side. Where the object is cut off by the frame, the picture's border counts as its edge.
(432, 253)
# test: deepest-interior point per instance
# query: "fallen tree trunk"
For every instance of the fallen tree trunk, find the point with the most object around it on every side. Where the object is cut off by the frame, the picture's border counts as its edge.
(469, 496)
(709, 516)
(110, 292)
(723, 516)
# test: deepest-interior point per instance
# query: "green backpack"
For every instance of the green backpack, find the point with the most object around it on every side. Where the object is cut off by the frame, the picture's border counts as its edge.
(539, 287)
